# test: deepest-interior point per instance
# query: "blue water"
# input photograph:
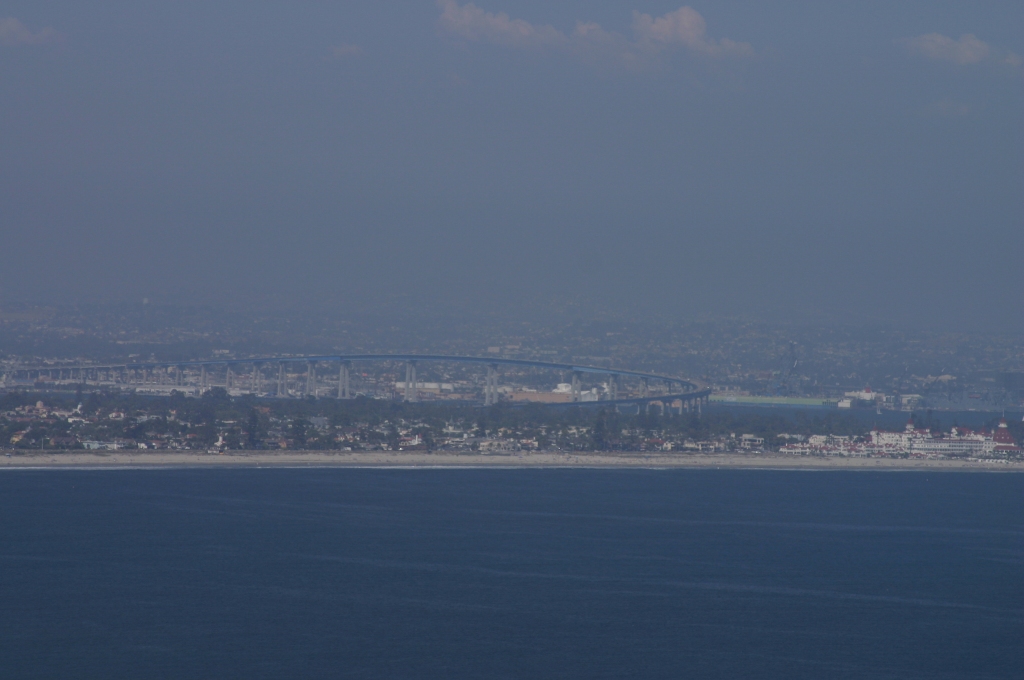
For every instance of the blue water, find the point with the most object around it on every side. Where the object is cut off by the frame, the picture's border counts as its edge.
(510, 574)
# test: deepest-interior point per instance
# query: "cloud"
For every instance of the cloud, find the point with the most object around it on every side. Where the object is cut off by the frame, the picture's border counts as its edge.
(346, 50)
(13, 32)
(967, 50)
(684, 28)
(473, 23)
(950, 108)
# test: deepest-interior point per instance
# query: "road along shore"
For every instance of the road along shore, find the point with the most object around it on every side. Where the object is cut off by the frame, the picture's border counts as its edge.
(201, 459)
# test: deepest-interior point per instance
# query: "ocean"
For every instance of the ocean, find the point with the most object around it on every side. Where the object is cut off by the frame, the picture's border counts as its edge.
(522, 573)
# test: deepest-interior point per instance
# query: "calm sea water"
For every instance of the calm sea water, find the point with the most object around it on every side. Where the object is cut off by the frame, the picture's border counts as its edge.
(320, 573)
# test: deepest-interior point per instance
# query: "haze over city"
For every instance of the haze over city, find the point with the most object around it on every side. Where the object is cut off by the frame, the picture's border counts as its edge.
(786, 161)
(567, 339)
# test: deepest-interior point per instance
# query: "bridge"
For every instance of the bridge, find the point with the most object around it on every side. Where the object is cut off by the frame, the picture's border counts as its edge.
(197, 376)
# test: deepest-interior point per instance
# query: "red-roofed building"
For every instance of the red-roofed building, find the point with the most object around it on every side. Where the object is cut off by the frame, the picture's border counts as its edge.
(1003, 439)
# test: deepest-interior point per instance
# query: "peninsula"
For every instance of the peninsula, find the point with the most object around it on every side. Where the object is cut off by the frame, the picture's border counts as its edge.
(419, 459)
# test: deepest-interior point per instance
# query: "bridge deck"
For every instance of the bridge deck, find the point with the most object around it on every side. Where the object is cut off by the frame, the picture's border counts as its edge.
(695, 391)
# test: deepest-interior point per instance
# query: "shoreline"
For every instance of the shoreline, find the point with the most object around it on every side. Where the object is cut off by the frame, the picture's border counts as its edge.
(392, 459)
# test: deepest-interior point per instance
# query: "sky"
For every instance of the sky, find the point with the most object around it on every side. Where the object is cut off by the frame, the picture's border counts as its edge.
(774, 160)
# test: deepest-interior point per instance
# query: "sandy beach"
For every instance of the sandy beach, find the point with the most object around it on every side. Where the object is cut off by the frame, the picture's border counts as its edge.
(200, 459)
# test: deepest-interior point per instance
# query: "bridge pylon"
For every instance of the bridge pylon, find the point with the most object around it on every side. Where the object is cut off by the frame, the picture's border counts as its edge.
(410, 381)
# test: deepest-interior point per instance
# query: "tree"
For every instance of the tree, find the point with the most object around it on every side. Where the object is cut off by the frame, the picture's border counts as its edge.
(253, 432)
(299, 430)
(599, 433)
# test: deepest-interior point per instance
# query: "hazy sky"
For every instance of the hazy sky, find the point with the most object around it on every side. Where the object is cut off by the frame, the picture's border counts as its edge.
(795, 159)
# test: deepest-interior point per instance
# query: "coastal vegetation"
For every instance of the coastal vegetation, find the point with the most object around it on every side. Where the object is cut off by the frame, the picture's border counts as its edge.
(102, 419)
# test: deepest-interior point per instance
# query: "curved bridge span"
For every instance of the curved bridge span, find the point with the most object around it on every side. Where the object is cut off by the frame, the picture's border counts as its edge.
(139, 374)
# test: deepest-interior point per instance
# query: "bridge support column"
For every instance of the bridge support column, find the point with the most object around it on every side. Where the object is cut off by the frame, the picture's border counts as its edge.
(343, 381)
(281, 381)
(613, 387)
(410, 381)
(227, 377)
(645, 388)
(310, 380)
(491, 386)
(254, 381)
(202, 378)
(575, 386)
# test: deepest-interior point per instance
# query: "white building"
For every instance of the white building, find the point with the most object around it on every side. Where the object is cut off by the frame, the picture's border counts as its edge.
(960, 442)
